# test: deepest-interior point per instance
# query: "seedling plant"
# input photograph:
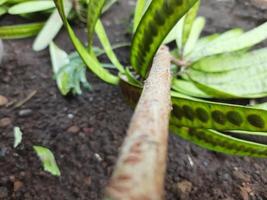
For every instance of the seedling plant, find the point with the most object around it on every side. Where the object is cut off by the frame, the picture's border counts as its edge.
(207, 67)
(219, 66)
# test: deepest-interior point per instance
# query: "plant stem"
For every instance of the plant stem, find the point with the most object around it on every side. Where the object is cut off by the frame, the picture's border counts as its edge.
(139, 173)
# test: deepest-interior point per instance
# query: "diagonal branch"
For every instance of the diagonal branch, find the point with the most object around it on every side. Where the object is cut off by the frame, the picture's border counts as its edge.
(140, 170)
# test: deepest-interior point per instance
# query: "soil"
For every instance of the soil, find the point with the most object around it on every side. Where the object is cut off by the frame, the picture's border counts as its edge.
(85, 132)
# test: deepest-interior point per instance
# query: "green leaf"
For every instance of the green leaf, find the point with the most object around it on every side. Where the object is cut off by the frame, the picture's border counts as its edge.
(131, 78)
(20, 31)
(3, 10)
(69, 71)
(216, 141)
(188, 22)
(195, 113)
(50, 29)
(2, 2)
(232, 61)
(101, 33)
(218, 42)
(247, 82)
(93, 13)
(199, 113)
(17, 136)
(235, 43)
(204, 41)
(30, 7)
(59, 59)
(188, 88)
(140, 8)
(48, 160)
(192, 39)
(157, 22)
(215, 92)
(89, 58)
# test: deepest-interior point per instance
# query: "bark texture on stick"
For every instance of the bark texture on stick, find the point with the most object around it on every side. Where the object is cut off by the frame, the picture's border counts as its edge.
(139, 173)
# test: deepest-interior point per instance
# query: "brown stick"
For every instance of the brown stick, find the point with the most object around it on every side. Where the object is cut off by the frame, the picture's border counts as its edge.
(139, 173)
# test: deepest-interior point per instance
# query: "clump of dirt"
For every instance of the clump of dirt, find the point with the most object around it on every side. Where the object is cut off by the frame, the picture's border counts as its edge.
(85, 132)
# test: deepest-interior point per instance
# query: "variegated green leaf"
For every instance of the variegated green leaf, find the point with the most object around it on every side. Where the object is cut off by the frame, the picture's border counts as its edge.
(159, 19)
(216, 141)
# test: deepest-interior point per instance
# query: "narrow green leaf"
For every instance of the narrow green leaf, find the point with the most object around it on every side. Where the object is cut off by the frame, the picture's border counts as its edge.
(30, 7)
(188, 22)
(108, 5)
(138, 13)
(50, 29)
(17, 136)
(59, 59)
(192, 39)
(215, 46)
(20, 31)
(3, 10)
(245, 82)
(216, 141)
(188, 88)
(89, 58)
(232, 61)
(131, 78)
(48, 160)
(93, 13)
(243, 41)
(2, 2)
(215, 92)
(157, 22)
(101, 33)
(176, 34)
(204, 41)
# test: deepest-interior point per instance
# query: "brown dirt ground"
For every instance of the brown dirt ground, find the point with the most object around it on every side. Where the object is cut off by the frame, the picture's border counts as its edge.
(85, 132)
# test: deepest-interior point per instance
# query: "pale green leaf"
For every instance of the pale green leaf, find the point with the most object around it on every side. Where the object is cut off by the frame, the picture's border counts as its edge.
(188, 88)
(30, 7)
(48, 160)
(50, 29)
(232, 61)
(195, 33)
(17, 136)
(189, 21)
(101, 33)
(217, 45)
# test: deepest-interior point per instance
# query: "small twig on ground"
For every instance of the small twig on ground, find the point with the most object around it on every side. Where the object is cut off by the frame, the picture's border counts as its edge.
(28, 98)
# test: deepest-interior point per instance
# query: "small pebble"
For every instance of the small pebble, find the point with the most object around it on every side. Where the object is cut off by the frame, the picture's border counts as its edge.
(70, 116)
(17, 186)
(73, 129)
(5, 122)
(184, 188)
(25, 113)
(3, 100)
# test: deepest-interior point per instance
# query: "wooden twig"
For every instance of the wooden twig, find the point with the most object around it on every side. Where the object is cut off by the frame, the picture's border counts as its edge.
(139, 173)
